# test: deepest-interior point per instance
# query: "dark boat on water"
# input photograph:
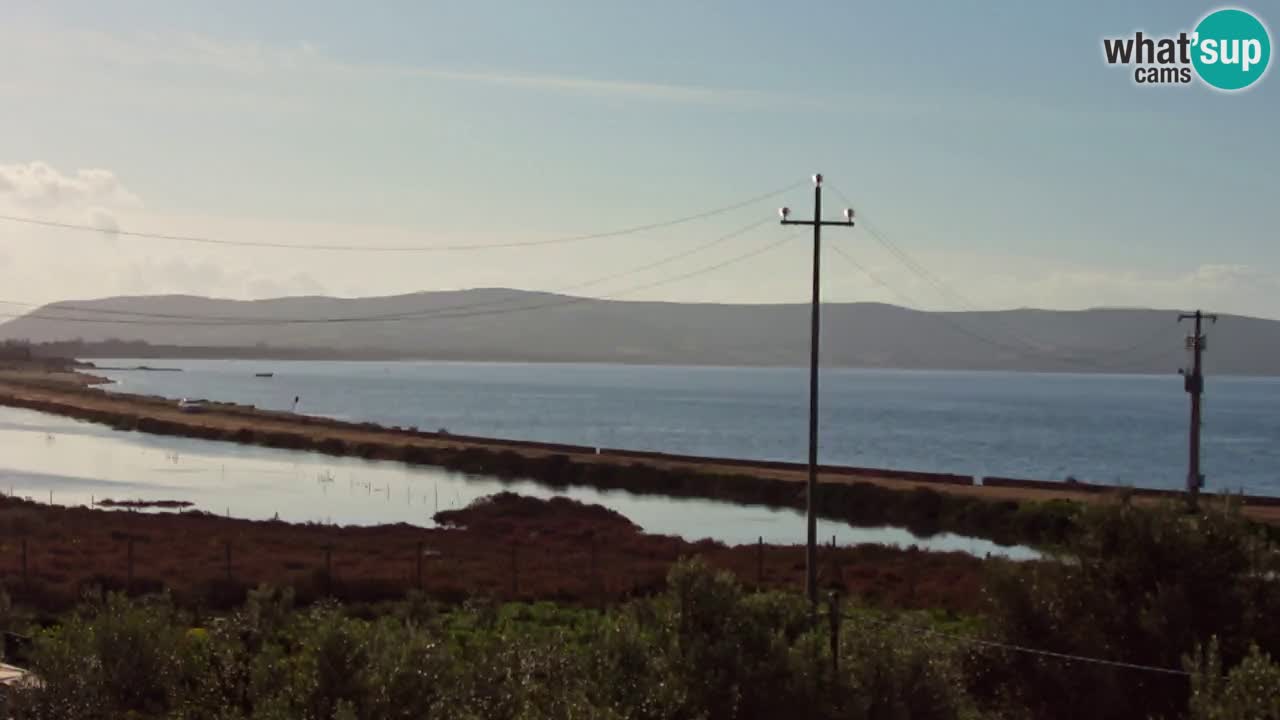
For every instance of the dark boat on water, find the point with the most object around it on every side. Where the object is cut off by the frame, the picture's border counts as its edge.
(263, 374)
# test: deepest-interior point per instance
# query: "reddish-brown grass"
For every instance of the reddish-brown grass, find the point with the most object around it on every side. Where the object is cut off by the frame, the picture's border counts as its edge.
(509, 547)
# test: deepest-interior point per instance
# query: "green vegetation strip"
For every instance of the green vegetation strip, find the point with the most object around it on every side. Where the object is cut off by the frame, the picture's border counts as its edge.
(1159, 614)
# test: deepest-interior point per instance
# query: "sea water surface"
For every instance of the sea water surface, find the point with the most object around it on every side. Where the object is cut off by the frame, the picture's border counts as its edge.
(49, 458)
(1116, 429)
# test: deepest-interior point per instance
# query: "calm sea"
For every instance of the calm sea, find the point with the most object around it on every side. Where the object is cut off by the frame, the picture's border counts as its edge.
(1120, 429)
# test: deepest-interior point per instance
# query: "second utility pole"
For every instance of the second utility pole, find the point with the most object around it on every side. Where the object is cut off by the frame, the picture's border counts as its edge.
(1194, 384)
(811, 547)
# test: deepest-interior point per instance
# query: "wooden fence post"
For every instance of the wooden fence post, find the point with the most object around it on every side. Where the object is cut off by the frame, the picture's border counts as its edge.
(596, 585)
(418, 575)
(129, 584)
(515, 573)
(913, 570)
(129, 539)
(833, 612)
(328, 568)
(760, 562)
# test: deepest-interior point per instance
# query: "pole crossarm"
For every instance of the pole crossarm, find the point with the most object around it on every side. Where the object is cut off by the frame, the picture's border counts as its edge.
(823, 223)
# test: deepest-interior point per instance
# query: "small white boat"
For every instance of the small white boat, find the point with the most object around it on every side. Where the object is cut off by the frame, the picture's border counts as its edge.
(190, 406)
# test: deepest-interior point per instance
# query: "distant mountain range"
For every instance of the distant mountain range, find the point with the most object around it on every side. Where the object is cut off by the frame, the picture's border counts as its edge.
(513, 325)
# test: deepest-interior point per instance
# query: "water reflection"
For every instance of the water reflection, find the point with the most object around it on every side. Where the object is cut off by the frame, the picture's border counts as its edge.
(81, 462)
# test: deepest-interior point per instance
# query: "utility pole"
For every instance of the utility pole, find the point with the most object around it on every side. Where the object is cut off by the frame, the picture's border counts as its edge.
(811, 551)
(1194, 384)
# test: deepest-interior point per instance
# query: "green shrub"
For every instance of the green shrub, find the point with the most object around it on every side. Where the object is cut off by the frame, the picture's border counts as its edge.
(1251, 691)
(107, 660)
(1150, 587)
(1137, 585)
(890, 674)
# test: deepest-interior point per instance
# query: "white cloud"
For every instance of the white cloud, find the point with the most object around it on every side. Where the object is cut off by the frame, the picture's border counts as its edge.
(175, 275)
(989, 282)
(39, 186)
(297, 284)
(1228, 276)
(1224, 287)
(89, 196)
(1206, 280)
(205, 276)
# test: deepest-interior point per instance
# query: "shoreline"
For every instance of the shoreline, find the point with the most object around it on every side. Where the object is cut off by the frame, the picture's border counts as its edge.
(709, 365)
(1006, 510)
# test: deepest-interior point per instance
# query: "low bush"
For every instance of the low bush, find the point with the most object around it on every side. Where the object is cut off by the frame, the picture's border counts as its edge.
(705, 648)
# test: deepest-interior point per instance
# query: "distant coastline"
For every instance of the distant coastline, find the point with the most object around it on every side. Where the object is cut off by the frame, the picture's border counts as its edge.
(503, 325)
(88, 353)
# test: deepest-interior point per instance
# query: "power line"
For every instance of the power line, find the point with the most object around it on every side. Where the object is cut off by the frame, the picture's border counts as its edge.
(943, 288)
(920, 270)
(1030, 348)
(938, 283)
(405, 314)
(408, 248)
(937, 316)
(901, 296)
(1020, 648)
(1020, 352)
(424, 315)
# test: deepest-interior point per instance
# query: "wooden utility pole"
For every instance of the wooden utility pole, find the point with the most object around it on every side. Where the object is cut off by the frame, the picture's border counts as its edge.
(811, 552)
(1193, 381)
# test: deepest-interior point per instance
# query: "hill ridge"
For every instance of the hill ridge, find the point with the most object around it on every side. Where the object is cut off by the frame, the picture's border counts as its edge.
(516, 325)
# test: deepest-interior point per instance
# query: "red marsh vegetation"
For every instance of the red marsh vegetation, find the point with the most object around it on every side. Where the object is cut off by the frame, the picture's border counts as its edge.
(505, 546)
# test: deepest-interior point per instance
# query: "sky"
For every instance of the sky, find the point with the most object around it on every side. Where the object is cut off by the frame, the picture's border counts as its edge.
(988, 143)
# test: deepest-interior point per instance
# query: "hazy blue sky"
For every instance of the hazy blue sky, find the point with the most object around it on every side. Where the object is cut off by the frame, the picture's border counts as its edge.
(990, 141)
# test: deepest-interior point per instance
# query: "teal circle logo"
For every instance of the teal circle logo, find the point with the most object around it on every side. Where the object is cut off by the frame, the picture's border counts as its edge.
(1232, 49)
